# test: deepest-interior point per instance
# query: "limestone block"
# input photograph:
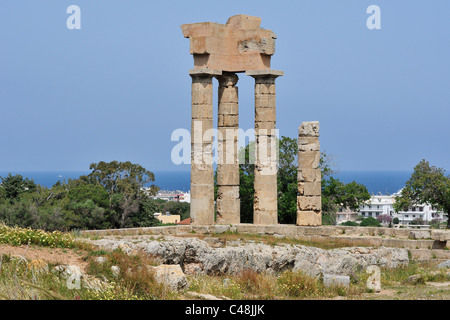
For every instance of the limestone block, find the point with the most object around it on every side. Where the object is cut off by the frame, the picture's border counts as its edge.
(228, 108)
(310, 188)
(265, 114)
(201, 154)
(307, 203)
(309, 146)
(310, 128)
(440, 235)
(262, 101)
(199, 191)
(228, 192)
(239, 45)
(202, 112)
(202, 177)
(309, 160)
(309, 175)
(265, 179)
(265, 88)
(265, 203)
(171, 276)
(264, 125)
(265, 217)
(330, 280)
(309, 218)
(228, 178)
(228, 95)
(227, 205)
(202, 211)
(420, 234)
(228, 121)
(202, 97)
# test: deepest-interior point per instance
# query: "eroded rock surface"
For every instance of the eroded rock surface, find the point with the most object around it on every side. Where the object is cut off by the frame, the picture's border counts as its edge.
(196, 256)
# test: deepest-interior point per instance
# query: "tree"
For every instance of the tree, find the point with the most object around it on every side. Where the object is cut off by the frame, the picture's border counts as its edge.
(428, 184)
(336, 195)
(14, 186)
(287, 180)
(384, 218)
(246, 182)
(121, 177)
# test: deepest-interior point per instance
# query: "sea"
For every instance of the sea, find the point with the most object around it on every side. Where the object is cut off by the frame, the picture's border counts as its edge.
(377, 182)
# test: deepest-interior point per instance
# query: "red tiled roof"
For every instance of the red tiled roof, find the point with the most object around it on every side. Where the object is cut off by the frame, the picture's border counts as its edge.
(185, 221)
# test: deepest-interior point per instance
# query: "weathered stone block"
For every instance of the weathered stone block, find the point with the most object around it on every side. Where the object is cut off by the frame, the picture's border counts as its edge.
(199, 191)
(330, 280)
(202, 211)
(440, 235)
(265, 125)
(310, 128)
(419, 234)
(309, 175)
(202, 97)
(265, 217)
(228, 120)
(307, 203)
(265, 89)
(228, 178)
(310, 188)
(265, 114)
(202, 112)
(309, 160)
(229, 108)
(227, 205)
(309, 218)
(310, 147)
(265, 203)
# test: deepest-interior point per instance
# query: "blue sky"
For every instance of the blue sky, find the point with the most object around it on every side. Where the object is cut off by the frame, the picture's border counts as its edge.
(119, 87)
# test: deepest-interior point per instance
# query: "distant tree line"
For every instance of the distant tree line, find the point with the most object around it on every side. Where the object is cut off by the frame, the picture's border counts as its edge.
(111, 196)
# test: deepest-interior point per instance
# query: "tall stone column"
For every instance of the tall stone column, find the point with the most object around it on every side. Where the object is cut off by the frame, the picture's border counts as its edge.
(228, 201)
(265, 206)
(202, 173)
(309, 199)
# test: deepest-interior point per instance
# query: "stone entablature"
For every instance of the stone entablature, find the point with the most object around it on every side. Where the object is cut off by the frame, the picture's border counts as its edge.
(237, 46)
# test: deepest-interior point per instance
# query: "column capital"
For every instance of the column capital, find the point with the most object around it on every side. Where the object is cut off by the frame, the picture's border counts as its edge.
(227, 79)
(264, 73)
(204, 72)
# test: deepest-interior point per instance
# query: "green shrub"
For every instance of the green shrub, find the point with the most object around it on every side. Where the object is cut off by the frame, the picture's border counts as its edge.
(350, 223)
(370, 222)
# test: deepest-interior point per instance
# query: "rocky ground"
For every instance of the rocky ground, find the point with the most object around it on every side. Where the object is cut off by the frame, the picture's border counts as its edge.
(214, 256)
(182, 258)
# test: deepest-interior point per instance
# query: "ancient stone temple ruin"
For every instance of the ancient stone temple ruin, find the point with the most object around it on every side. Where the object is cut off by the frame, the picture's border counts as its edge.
(222, 51)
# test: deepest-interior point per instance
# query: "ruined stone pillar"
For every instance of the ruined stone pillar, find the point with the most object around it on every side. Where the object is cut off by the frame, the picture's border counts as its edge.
(265, 206)
(228, 201)
(309, 199)
(202, 173)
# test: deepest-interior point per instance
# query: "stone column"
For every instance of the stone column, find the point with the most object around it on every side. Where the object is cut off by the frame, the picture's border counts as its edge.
(309, 199)
(202, 173)
(228, 201)
(265, 206)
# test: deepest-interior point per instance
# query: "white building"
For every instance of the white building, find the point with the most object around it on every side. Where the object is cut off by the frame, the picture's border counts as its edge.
(384, 205)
